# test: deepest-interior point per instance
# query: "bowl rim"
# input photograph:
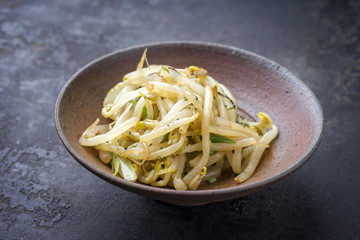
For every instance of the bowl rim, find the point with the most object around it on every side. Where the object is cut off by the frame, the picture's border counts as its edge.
(249, 188)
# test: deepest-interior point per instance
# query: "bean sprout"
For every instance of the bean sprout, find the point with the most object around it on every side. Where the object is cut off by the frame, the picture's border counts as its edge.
(176, 128)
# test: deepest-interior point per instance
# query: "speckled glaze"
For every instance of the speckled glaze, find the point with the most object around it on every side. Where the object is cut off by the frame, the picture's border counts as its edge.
(257, 83)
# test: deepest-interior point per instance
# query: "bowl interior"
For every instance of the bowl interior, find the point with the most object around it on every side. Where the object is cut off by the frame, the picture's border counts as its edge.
(257, 84)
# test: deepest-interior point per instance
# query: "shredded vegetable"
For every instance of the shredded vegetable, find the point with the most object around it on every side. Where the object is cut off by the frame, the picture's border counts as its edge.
(177, 128)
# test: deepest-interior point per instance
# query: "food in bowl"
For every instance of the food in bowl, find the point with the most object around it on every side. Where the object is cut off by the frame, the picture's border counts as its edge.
(176, 127)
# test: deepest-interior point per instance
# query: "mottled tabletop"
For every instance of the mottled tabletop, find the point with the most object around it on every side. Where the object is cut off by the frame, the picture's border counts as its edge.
(46, 194)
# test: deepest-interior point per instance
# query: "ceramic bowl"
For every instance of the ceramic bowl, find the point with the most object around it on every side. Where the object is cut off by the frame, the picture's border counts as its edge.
(258, 84)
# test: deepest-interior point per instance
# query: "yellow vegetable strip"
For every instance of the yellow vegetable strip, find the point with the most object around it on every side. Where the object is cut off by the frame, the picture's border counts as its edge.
(166, 178)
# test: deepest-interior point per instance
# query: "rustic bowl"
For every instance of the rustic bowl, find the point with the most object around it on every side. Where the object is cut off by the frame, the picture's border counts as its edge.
(258, 84)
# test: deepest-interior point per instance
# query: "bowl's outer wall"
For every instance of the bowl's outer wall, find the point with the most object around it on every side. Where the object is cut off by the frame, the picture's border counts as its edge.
(259, 85)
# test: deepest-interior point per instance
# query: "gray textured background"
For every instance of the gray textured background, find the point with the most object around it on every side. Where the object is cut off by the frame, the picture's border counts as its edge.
(45, 194)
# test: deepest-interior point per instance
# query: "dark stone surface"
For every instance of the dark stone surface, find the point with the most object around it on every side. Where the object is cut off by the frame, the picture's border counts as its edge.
(45, 194)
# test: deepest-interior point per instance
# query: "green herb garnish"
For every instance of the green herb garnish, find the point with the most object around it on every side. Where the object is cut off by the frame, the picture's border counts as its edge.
(144, 112)
(165, 138)
(220, 139)
(212, 180)
(165, 69)
(133, 102)
(244, 124)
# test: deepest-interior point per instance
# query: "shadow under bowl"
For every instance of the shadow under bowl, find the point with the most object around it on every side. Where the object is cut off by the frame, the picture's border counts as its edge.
(258, 84)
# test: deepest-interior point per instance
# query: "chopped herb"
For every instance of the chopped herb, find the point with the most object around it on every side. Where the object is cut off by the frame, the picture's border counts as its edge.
(212, 180)
(133, 102)
(223, 95)
(185, 99)
(86, 136)
(244, 124)
(165, 69)
(220, 139)
(131, 146)
(231, 108)
(165, 138)
(144, 112)
(152, 73)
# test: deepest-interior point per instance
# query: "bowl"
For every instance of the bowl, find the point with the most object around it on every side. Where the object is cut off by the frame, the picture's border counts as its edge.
(258, 84)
